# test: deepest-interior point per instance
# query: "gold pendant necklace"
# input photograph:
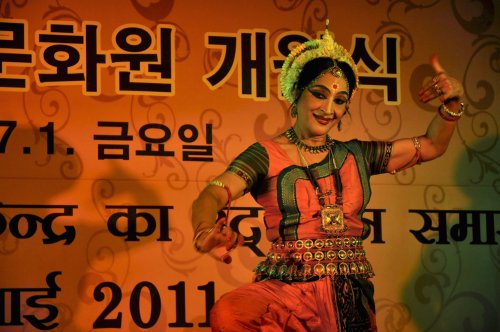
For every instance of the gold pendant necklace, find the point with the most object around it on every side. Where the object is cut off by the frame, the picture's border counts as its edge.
(332, 215)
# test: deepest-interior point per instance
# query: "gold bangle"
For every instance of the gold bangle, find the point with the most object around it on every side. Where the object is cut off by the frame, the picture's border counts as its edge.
(416, 143)
(446, 111)
(415, 160)
(219, 183)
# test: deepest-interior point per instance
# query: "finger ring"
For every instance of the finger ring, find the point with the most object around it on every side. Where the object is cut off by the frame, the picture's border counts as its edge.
(437, 90)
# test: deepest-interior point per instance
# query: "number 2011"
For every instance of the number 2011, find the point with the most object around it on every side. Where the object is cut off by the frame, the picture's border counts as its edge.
(110, 319)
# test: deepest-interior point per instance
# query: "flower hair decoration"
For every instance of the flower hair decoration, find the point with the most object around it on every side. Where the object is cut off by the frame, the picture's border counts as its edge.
(312, 49)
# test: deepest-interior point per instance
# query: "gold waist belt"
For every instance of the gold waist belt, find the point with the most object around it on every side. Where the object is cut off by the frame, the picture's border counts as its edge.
(303, 260)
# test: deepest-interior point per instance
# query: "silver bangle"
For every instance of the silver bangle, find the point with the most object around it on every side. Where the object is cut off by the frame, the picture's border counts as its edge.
(197, 236)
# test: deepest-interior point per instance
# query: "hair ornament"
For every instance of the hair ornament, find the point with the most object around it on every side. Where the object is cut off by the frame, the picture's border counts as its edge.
(305, 52)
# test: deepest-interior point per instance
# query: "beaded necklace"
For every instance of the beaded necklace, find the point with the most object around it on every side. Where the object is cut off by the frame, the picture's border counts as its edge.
(292, 137)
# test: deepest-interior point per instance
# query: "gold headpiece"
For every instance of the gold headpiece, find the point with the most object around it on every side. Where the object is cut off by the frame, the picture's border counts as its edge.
(312, 49)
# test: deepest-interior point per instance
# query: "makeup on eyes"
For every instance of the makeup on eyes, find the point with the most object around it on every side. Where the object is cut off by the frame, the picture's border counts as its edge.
(326, 91)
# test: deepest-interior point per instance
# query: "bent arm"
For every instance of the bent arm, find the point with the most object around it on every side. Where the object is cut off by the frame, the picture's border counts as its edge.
(433, 143)
(407, 152)
(213, 198)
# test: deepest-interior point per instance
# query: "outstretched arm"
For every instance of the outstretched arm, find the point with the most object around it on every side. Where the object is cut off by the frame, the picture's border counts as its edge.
(409, 151)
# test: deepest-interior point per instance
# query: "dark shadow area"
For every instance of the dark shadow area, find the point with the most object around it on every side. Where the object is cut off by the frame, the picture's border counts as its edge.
(456, 285)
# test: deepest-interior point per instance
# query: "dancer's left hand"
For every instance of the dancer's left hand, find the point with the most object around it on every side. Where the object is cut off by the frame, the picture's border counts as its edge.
(442, 85)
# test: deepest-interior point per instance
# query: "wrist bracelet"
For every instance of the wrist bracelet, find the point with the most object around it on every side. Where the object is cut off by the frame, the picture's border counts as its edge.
(197, 236)
(449, 115)
(446, 117)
